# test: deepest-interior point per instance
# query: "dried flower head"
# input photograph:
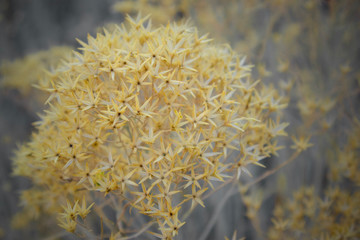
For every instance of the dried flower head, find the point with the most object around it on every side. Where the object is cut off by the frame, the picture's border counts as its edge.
(154, 116)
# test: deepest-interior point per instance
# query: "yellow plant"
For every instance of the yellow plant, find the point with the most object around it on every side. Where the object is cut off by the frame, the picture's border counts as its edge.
(145, 120)
(153, 117)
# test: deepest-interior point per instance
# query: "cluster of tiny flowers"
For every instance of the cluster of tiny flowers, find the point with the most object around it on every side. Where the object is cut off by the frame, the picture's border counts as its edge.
(334, 215)
(151, 116)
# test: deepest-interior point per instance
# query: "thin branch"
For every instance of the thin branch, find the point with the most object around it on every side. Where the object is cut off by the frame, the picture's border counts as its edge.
(138, 233)
(217, 211)
(187, 214)
(272, 171)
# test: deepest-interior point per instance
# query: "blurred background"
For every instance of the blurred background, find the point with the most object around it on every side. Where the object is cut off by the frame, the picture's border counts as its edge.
(309, 51)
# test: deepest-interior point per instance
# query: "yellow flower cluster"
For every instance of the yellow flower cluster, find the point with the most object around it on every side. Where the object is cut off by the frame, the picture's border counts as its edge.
(153, 116)
(336, 216)
(21, 74)
(332, 216)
